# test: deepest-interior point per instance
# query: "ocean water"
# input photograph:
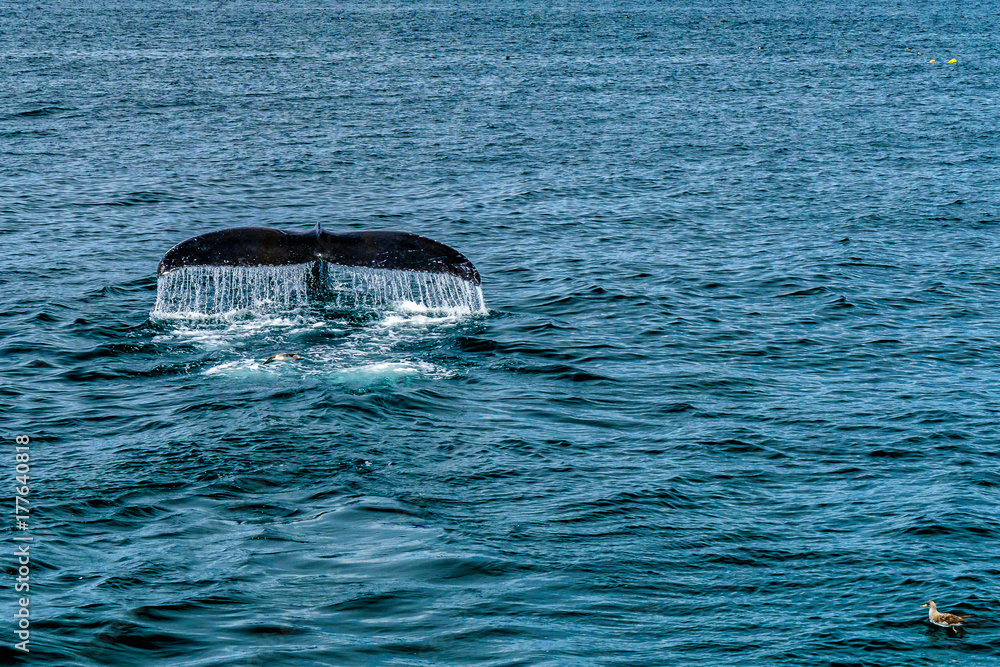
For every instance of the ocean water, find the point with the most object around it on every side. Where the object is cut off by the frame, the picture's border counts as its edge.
(733, 400)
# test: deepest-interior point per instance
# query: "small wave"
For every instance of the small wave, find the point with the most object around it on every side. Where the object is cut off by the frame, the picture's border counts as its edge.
(141, 197)
(40, 112)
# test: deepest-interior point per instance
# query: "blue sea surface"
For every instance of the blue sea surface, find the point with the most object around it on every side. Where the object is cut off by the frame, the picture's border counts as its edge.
(735, 399)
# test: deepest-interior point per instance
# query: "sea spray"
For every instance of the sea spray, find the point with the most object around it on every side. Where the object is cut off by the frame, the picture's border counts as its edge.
(384, 289)
(218, 290)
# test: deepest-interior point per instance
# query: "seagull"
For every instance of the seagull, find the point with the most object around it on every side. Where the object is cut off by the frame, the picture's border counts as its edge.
(942, 620)
(283, 356)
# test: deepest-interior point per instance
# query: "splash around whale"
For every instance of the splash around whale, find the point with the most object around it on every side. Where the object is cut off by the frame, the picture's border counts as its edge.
(258, 268)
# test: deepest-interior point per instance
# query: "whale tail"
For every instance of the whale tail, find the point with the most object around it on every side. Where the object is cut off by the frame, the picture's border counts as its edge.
(259, 246)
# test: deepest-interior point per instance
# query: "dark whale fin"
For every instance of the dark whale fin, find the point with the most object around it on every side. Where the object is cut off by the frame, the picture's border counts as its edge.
(260, 246)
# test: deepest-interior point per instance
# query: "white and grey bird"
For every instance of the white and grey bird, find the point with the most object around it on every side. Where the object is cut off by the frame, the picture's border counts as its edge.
(283, 356)
(943, 620)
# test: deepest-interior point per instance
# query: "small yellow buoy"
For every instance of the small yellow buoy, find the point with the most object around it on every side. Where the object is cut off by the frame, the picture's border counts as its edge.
(932, 61)
(953, 60)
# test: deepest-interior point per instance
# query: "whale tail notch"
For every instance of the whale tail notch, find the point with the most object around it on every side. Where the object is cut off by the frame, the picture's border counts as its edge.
(260, 246)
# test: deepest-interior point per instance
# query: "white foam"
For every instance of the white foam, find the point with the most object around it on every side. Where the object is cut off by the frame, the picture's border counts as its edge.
(330, 368)
(240, 367)
(225, 331)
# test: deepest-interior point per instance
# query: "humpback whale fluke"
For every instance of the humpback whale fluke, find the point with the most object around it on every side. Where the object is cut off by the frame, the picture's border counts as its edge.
(261, 246)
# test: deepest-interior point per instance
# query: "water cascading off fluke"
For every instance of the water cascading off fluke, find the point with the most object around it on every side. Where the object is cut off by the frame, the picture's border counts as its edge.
(260, 270)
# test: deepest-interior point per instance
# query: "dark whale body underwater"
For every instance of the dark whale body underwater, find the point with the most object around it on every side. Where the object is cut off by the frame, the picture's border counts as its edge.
(261, 246)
